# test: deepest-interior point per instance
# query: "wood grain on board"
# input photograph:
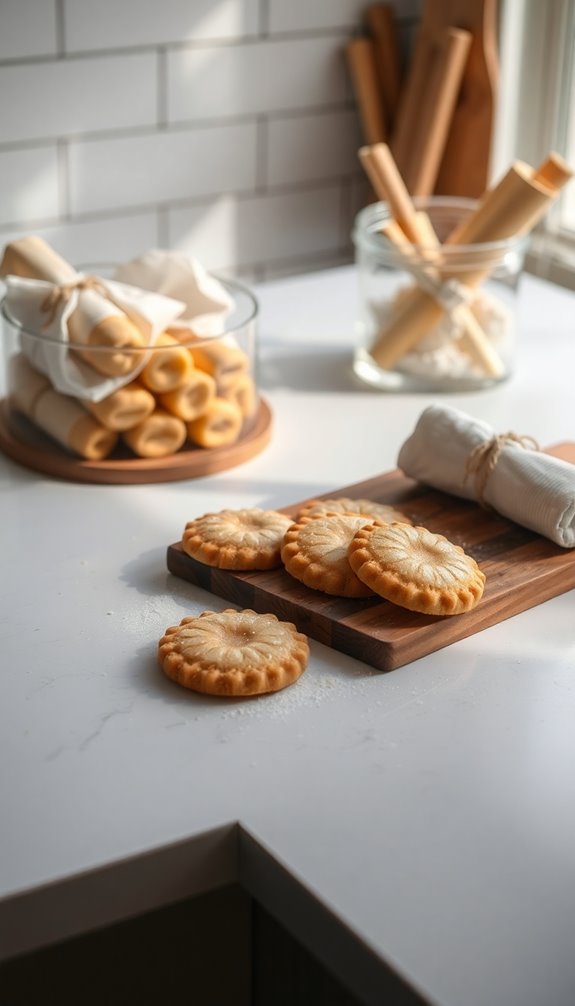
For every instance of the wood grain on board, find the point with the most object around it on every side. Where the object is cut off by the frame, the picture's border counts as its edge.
(522, 569)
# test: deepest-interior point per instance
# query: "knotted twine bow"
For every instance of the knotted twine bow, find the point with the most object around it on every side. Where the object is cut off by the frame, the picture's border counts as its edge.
(61, 295)
(485, 456)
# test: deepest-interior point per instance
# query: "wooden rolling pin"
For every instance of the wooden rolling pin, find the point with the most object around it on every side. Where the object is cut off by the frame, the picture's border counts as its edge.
(427, 144)
(381, 25)
(361, 59)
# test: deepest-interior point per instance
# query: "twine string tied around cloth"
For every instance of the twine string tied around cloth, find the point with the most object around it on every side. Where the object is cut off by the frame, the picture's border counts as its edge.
(484, 457)
(61, 295)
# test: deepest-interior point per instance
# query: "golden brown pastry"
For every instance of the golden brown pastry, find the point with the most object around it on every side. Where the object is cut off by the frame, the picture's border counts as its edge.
(343, 504)
(234, 653)
(157, 436)
(416, 569)
(237, 539)
(218, 426)
(315, 552)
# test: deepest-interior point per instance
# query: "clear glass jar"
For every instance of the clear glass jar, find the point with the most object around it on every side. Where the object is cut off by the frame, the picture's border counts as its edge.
(183, 394)
(435, 317)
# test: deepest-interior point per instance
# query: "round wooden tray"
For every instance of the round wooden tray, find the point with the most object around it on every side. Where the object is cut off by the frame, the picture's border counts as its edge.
(43, 455)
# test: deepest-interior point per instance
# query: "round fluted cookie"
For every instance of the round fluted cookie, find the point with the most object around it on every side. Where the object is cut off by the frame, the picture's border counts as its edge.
(237, 539)
(415, 568)
(315, 552)
(343, 504)
(233, 653)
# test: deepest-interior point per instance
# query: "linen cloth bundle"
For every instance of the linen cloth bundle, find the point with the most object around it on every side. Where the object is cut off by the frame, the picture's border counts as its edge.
(181, 277)
(525, 485)
(73, 316)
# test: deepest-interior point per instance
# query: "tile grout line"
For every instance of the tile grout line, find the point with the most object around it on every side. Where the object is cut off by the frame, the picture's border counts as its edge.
(60, 29)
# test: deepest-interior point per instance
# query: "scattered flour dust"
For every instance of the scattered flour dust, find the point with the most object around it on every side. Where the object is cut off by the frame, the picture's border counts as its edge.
(311, 689)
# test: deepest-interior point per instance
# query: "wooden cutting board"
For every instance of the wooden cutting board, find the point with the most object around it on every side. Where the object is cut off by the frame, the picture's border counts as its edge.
(522, 569)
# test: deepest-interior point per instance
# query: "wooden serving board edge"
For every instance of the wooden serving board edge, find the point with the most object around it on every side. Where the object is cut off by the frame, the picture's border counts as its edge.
(432, 635)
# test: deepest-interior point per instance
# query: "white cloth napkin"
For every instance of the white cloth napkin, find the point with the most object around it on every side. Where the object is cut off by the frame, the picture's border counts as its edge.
(176, 274)
(160, 290)
(527, 486)
(48, 349)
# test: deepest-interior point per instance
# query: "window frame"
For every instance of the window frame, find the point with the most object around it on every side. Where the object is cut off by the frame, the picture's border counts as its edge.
(536, 114)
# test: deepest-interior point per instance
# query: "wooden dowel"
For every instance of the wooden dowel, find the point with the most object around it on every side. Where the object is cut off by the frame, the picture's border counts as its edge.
(417, 228)
(476, 344)
(360, 53)
(410, 100)
(447, 65)
(388, 184)
(514, 205)
(554, 171)
(381, 24)
(512, 208)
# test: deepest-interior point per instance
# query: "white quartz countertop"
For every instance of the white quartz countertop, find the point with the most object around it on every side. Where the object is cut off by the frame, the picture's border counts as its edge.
(430, 809)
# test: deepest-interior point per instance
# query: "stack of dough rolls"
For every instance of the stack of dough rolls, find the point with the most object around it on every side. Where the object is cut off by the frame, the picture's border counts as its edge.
(209, 395)
(169, 365)
(61, 416)
(234, 399)
(157, 436)
(92, 429)
(203, 393)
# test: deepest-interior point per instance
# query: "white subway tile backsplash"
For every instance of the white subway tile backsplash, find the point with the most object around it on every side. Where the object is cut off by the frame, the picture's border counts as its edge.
(305, 264)
(360, 194)
(225, 126)
(131, 23)
(161, 167)
(96, 242)
(253, 78)
(231, 231)
(27, 28)
(302, 15)
(29, 187)
(312, 147)
(63, 97)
